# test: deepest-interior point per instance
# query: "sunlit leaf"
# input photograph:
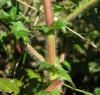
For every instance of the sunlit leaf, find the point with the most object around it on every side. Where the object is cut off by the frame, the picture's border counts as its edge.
(8, 17)
(32, 74)
(20, 31)
(59, 24)
(43, 93)
(9, 85)
(54, 92)
(13, 11)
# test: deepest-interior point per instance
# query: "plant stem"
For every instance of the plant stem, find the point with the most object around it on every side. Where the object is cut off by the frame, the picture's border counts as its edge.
(48, 12)
(80, 9)
(50, 41)
(50, 49)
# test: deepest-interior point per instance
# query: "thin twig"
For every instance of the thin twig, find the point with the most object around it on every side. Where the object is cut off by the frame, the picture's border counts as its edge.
(82, 37)
(29, 6)
(35, 22)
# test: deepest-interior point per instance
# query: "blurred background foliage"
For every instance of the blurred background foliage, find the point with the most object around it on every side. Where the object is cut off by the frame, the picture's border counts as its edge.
(83, 57)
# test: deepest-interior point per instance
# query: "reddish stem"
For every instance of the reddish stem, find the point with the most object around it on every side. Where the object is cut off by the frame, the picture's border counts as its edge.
(53, 86)
(48, 12)
(50, 37)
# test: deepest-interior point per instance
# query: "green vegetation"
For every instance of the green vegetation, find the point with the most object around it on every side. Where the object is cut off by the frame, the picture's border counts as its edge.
(68, 60)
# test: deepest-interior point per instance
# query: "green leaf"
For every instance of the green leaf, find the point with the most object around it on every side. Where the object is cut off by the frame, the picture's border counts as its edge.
(13, 12)
(56, 8)
(20, 31)
(8, 17)
(78, 44)
(42, 65)
(66, 65)
(3, 14)
(60, 24)
(94, 67)
(8, 4)
(31, 74)
(9, 85)
(2, 2)
(63, 74)
(97, 90)
(4, 46)
(54, 92)
(43, 93)
(63, 29)
(4, 34)
(42, 29)
(80, 49)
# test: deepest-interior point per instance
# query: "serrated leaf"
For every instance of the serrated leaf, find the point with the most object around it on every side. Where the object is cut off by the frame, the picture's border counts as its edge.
(20, 31)
(60, 24)
(9, 85)
(62, 73)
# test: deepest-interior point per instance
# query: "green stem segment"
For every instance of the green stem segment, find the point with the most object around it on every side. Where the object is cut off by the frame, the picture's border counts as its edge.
(50, 37)
(51, 49)
(80, 9)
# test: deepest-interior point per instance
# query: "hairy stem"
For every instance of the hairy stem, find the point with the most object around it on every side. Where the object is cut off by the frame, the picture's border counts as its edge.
(80, 9)
(48, 12)
(50, 41)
